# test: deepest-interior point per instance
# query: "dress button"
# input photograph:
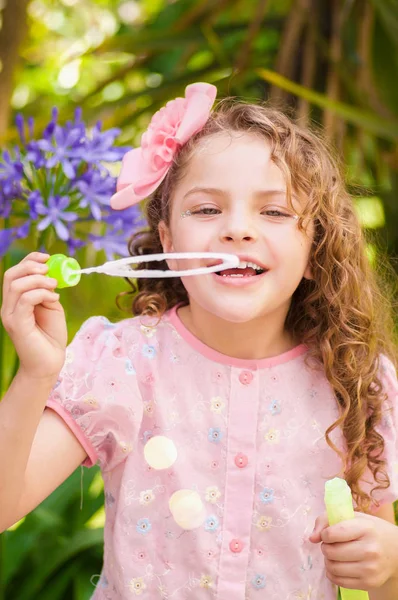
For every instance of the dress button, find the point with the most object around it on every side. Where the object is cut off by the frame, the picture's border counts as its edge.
(241, 460)
(246, 377)
(236, 546)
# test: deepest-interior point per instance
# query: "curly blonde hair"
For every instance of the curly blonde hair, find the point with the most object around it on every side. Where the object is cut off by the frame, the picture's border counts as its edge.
(342, 315)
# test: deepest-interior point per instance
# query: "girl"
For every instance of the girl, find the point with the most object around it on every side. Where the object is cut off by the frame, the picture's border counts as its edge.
(218, 413)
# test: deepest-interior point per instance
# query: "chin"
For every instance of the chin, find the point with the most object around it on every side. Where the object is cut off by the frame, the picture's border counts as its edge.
(237, 314)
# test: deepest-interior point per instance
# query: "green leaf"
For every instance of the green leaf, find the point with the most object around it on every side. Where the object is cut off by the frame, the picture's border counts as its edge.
(370, 212)
(385, 67)
(385, 128)
(59, 585)
(82, 540)
(388, 13)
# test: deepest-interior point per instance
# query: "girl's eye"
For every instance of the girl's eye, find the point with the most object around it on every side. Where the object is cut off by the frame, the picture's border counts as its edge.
(207, 211)
(277, 214)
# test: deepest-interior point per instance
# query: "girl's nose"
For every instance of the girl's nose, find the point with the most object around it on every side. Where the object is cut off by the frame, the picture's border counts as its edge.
(238, 227)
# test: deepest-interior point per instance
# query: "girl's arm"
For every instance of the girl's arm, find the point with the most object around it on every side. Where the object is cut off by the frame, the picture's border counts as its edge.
(37, 450)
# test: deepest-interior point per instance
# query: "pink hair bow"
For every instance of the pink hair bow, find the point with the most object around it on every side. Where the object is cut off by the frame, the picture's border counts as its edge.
(144, 168)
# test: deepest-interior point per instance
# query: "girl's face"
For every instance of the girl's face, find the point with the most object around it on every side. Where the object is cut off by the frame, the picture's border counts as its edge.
(236, 198)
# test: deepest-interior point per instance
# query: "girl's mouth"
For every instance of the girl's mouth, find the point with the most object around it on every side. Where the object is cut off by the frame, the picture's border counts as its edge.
(245, 269)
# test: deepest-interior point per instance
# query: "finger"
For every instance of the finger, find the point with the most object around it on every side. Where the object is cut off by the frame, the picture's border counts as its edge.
(353, 569)
(351, 575)
(345, 531)
(37, 256)
(33, 298)
(24, 310)
(343, 551)
(320, 524)
(25, 267)
(346, 581)
(23, 285)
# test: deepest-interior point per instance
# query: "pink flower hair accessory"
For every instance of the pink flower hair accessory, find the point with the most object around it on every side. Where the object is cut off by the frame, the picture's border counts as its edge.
(144, 168)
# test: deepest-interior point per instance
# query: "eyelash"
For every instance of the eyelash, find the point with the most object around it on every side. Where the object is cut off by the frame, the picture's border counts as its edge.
(201, 211)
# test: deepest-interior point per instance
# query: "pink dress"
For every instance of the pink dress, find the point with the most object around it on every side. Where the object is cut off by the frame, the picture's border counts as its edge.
(214, 467)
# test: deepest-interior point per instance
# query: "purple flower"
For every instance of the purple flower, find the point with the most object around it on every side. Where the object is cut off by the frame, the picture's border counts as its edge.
(128, 219)
(35, 155)
(55, 214)
(99, 146)
(96, 191)
(6, 239)
(7, 236)
(34, 201)
(10, 171)
(63, 146)
(5, 205)
(74, 244)
(20, 125)
(22, 231)
(59, 181)
(113, 242)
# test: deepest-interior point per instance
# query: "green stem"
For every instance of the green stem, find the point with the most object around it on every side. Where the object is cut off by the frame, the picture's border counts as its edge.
(2, 560)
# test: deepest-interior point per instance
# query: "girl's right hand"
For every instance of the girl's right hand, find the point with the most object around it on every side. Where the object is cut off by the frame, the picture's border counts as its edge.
(34, 318)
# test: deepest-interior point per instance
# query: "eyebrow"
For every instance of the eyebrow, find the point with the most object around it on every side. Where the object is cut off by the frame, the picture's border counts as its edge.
(219, 192)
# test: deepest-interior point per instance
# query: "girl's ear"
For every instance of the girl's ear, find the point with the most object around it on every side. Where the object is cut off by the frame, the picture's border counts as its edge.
(308, 272)
(167, 243)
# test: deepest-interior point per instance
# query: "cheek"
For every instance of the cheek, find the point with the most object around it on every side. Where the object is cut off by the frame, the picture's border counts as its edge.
(187, 237)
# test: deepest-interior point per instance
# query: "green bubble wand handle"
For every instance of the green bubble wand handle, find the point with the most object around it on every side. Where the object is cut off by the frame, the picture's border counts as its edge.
(339, 507)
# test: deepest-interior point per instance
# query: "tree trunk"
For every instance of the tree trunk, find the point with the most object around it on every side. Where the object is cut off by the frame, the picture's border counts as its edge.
(12, 34)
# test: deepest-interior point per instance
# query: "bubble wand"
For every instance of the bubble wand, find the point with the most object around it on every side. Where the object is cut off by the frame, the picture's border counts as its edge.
(67, 271)
(339, 507)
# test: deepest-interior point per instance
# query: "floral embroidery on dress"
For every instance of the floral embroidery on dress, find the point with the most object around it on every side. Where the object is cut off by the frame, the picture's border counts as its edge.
(91, 401)
(143, 526)
(217, 405)
(215, 434)
(272, 436)
(149, 351)
(258, 582)
(148, 331)
(206, 581)
(212, 494)
(264, 523)
(147, 497)
(137, 586)
(275, 407)
(128, 367)
(267, 495)
(212, 523)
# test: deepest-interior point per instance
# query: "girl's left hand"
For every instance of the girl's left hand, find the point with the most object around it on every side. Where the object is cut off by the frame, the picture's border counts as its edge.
(361, 553)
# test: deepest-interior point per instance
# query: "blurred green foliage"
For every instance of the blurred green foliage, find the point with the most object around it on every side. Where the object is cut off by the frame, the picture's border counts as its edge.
(332, 63)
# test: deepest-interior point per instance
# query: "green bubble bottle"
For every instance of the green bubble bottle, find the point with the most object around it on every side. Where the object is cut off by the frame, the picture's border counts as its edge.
(339, 507)
(65, 269)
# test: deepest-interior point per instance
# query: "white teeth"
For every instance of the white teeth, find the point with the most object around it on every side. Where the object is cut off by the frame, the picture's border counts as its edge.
(244, 264)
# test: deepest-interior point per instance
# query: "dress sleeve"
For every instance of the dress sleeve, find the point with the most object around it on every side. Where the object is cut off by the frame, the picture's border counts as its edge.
(388, 428)
(97, 394)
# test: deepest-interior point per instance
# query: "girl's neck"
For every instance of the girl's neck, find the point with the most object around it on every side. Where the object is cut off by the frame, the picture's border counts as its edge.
(263, 337)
